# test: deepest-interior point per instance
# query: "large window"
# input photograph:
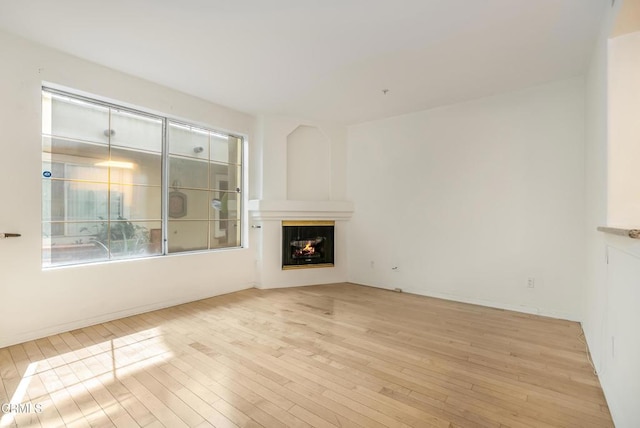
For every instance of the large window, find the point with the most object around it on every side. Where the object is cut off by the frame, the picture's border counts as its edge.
(119, 183)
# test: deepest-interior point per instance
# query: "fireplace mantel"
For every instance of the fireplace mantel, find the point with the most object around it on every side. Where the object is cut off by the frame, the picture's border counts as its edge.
(262, 209)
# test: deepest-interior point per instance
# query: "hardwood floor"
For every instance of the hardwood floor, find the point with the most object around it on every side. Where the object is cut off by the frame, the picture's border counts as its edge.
(338, 355)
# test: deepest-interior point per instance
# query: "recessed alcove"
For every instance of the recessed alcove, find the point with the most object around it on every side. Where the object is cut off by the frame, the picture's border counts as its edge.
(308, 165)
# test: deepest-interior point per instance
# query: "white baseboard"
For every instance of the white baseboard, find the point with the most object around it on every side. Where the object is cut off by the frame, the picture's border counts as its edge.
(488, 303)
(85, 322)
(98, 319)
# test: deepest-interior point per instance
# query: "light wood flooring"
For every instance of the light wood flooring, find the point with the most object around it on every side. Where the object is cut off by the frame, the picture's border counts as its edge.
(338, 355)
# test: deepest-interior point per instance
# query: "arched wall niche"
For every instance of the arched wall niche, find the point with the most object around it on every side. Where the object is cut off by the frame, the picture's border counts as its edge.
(308, 165)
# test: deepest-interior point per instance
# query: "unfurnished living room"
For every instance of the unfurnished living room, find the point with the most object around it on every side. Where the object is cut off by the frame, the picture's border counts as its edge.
(339, 213)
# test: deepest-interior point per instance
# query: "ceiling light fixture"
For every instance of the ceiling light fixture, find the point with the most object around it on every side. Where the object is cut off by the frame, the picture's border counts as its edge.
(116, 164)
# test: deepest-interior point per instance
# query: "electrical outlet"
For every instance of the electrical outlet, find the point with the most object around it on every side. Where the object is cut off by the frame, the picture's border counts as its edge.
(531, 283)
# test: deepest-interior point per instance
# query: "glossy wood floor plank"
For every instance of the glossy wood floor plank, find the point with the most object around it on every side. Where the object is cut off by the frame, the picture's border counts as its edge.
(339, 355)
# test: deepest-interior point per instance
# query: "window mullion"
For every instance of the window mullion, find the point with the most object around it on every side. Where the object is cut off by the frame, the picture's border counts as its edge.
(108, 132)
(165, 187)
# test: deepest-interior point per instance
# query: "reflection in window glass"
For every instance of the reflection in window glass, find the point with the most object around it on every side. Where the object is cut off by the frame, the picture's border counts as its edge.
(205, 171)
(188, 173)
(103, 188)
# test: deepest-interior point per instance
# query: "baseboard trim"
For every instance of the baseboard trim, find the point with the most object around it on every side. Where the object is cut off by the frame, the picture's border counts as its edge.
(487, 303)
(99, 319)
(136, 310)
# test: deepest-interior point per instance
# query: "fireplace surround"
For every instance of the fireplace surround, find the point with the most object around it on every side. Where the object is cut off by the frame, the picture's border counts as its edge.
(307, 244)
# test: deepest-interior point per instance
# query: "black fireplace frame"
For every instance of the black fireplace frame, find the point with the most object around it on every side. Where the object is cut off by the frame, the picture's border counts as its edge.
(308, 230)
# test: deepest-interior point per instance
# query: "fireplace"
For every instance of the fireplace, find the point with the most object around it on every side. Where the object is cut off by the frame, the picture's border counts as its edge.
(307, 244)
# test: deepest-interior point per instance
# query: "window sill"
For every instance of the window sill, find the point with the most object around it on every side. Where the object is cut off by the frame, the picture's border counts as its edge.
(630, 233)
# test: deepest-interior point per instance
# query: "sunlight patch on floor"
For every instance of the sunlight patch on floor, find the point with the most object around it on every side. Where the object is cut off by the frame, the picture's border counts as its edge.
(65, 383)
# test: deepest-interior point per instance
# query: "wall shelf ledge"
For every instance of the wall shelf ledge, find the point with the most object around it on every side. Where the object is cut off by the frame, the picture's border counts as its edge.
(261, 209)
(631, 233)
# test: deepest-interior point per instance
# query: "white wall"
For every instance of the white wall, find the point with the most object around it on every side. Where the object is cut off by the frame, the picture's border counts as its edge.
(613, 263)
(36, 303)
(471, 200)
(624, 131)
(308, 165)
(269, 157)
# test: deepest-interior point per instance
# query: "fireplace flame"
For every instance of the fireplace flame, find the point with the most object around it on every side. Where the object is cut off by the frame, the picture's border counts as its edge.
(308, 249)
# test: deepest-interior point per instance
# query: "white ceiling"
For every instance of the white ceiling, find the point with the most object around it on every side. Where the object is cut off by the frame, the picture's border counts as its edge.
(322, 59)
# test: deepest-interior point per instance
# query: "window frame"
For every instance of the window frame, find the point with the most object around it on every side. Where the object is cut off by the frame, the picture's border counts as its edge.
(165, 185)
